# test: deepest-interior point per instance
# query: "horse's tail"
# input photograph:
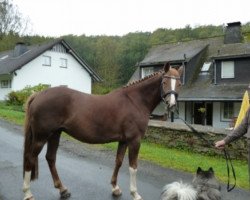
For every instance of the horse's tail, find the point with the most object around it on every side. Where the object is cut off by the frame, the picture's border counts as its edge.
(28, 139)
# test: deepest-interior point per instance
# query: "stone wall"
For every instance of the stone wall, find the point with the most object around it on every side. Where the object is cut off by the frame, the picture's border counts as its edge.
(179, 136)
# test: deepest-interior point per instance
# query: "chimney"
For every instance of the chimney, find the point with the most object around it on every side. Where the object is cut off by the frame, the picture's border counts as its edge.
(233, 33)
(20, 49)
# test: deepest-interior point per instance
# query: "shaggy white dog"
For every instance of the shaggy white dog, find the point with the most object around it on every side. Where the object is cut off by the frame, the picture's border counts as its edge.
(178, 191)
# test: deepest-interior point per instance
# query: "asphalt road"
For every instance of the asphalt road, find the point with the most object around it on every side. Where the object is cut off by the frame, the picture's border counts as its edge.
(86, 170)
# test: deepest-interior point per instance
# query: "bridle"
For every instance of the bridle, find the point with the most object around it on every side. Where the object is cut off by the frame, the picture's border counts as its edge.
(163, 93)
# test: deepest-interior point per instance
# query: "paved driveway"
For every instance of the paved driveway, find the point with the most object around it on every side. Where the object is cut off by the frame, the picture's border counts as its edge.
(86, 170)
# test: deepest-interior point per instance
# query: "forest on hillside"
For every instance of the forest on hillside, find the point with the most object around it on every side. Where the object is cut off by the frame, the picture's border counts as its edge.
(114, 58)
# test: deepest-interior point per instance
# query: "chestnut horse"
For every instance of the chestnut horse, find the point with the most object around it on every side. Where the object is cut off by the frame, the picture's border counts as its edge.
(121, 115)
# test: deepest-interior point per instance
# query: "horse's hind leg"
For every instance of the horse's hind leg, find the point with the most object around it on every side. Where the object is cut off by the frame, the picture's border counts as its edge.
(31, 168)
(52, 147)
(121, 150)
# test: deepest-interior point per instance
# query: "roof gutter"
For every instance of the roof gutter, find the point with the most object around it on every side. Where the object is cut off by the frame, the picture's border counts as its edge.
(230, 57)
(209, 99)
(162, 63)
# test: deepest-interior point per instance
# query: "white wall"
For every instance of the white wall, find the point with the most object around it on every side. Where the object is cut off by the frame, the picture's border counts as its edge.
(217, 122)
(33, 73)
(181, 107)
(4, 92)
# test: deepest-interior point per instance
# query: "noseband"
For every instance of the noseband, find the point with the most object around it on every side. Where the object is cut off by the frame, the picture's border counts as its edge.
(163, 93)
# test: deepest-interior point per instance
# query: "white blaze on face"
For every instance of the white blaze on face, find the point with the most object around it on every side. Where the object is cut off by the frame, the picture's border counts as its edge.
(172, 96)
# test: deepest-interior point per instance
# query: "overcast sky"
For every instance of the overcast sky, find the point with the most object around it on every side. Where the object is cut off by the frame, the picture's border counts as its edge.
(119, 17)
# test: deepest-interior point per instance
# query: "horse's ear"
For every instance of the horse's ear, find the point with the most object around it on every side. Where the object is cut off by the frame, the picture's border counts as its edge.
(166, 67)
(180, 70)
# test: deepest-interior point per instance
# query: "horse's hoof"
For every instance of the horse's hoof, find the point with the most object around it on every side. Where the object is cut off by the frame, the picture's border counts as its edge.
(116, 191)
(136, 196)
(29, 198)
(65, 194)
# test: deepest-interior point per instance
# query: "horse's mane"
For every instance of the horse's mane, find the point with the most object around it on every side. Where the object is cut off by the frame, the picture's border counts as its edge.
(143, 79)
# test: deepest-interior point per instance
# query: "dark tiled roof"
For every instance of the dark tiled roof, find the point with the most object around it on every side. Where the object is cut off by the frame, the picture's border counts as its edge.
(216, 50)
(175, 51)
(204, 90)
(9, 63)
(232, 51)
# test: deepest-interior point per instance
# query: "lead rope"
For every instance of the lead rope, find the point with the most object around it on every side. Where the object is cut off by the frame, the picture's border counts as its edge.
(226, 154)
(228, 159)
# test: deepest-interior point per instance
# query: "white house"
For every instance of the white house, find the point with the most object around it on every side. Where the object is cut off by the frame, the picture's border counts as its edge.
(54, 63)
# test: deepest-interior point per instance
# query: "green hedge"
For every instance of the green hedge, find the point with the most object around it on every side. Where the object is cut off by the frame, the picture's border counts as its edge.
(19, 97)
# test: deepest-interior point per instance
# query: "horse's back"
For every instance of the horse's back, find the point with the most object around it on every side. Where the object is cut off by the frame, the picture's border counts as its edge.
(53, 98)
(52, 106)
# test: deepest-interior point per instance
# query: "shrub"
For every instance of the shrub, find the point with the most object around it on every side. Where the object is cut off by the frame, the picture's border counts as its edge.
(19, 97)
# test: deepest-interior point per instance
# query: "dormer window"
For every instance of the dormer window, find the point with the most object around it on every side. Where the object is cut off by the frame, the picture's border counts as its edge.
(145, 71)
(227, 69)
(205, 68)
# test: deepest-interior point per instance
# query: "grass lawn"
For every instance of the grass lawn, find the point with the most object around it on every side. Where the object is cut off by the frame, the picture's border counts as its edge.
(170, 158)
(189, 162)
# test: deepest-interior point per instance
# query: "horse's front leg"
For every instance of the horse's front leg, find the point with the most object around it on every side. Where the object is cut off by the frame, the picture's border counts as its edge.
(134, 148)
(121, 150)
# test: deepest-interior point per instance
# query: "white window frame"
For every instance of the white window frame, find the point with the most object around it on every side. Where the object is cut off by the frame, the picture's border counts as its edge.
(5, 84)
(146, 71)
(63, 63)
(224, 109)
(227, 69)
(46, 60)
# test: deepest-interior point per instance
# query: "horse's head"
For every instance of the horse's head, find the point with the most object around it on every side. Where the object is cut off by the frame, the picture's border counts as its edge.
(170, 85)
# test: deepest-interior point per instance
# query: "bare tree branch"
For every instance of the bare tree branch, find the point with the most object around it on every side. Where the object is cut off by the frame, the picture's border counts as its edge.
(11, 20)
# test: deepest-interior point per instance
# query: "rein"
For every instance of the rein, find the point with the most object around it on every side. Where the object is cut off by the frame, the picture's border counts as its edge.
(226, 154)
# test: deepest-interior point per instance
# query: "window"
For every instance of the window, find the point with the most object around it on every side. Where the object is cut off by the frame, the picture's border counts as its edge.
(147, 71)
(205, 68)
(46, 61)
(5, 84)
(227, 111)
(63, 62)
(227, 69)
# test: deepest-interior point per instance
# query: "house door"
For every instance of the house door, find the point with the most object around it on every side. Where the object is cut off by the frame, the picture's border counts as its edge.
(209, 114)
(203, 113)
(199, 115)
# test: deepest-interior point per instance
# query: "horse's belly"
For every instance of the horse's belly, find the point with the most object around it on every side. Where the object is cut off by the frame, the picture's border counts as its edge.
(95, 137)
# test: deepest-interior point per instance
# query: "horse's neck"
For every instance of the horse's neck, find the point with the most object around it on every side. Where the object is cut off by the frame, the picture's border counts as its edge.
(146, 94)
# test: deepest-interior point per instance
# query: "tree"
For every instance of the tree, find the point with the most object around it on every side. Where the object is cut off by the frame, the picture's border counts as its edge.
(11, 20)
(107, 61)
